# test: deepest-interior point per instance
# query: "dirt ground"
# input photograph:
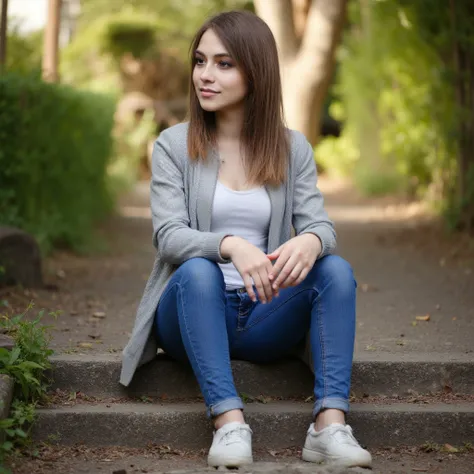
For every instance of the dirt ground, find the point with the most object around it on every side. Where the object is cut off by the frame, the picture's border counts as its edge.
(152, 460)
(405, 264)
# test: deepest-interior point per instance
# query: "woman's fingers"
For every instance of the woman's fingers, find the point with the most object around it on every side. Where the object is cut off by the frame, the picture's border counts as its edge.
(249, 286)
(285, 271)
(267, 284)
(279, 264)
(259, 286)
(294, 276)
(303, 275)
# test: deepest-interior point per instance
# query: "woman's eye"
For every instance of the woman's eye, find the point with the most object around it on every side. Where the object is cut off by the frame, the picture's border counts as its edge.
(199, 61)
(225, 64)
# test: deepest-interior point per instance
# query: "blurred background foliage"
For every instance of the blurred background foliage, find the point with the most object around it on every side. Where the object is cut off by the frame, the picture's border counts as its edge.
(399, 114)
(56, 142)
(398, 93)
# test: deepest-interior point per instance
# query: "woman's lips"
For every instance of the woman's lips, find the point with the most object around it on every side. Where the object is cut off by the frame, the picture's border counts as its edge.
(208, 93)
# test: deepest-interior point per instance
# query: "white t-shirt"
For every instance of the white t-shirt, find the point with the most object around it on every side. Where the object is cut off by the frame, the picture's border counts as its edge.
(244, 214)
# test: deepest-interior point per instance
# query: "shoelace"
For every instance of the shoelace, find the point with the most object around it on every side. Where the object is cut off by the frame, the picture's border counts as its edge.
(233, 436)
(344, 435)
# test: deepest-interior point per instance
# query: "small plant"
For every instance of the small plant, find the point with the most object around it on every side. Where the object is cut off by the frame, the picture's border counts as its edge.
(26, 364)
(430, 447)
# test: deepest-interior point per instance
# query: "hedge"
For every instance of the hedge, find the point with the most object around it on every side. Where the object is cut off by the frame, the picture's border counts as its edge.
(55, 143)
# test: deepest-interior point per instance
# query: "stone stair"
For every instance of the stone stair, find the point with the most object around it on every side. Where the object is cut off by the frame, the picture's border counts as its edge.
(164, 398)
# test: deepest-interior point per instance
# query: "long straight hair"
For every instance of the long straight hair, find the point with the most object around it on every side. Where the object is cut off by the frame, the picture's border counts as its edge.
(264, 137)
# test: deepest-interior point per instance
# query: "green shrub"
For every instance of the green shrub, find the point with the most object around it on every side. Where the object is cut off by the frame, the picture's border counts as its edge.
(55, 143)
(397, 102)
(26, 364)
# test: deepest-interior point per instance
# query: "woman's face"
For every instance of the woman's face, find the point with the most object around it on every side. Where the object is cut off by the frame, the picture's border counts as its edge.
(218, 83)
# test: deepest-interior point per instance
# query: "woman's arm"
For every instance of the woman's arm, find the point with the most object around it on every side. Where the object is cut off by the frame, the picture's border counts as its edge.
(309, 215)
(175, 240)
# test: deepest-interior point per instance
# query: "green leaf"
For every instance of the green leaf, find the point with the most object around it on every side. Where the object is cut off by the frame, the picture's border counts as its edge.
(14, 355)
(31, 365)
(7, 446)
(19, 432)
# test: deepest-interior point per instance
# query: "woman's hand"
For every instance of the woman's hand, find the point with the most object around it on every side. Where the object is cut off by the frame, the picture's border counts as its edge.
(251, 263)
(294, 259)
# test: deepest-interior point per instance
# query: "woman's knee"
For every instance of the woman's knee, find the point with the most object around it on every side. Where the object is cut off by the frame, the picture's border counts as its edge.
(337, 272)
(200, 272)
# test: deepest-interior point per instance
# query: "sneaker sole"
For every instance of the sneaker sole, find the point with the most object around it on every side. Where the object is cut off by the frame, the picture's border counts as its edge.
(316, 457)
(216, 461)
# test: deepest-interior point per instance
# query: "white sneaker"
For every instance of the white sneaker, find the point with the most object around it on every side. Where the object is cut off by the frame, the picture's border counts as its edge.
(335, 444)
(231, 446)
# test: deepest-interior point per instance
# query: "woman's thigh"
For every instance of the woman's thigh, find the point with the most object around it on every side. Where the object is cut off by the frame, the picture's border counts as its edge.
(192, 309)
(274, 329)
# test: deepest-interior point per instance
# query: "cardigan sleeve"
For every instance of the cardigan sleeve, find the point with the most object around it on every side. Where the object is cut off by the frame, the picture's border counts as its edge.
(309, 215)
(175, 241)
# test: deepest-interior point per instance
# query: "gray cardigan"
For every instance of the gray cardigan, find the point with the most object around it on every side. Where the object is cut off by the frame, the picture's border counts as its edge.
(182, 193)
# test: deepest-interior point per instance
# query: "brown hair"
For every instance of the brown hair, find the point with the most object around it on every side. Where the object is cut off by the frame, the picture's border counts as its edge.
(251, 44)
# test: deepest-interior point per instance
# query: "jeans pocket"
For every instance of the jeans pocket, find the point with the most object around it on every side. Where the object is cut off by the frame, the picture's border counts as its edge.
(245, 308)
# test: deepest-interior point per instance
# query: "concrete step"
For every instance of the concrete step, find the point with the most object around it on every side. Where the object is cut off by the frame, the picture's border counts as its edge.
(163, 460)
(373, 374)
(276, 425)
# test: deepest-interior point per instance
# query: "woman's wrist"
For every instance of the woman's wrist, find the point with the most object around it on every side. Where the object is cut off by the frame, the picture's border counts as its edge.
(228, 245)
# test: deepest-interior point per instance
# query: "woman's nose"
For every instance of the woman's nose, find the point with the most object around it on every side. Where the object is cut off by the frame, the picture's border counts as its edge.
(206, 74)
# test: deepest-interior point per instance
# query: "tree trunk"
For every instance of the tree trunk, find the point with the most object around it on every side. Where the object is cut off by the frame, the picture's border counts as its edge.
(51, 42)
(3, 35)
(463, 65)
(307, 65)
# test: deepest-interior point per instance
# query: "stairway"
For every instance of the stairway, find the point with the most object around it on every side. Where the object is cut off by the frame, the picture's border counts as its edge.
(392, 404)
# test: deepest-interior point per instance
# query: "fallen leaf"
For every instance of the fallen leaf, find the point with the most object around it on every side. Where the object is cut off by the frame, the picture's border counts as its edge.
(414, 323)
(419, 469)
(272, 453)
(401, 343)
(426, 317)
(99, 314)
(86, 345)
(450, 449)
(370, 348)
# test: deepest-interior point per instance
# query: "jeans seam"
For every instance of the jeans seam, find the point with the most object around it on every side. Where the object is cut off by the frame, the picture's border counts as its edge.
(239, 316)
(279, 306)
(190, 340)
(321, 342)
(167, 290)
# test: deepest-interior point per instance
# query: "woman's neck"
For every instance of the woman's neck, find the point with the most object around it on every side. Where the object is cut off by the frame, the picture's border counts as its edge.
(229, 124)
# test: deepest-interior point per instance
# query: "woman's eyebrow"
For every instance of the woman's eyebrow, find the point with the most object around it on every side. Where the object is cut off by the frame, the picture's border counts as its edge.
(219, 55)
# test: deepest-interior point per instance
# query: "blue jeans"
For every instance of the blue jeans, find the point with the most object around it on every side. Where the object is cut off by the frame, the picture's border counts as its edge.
(200, 322)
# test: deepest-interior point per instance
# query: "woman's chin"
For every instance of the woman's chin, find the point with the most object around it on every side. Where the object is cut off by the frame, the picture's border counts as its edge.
(209, 107)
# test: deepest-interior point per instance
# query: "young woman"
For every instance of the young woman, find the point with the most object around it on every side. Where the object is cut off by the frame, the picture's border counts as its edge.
(229, 281)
